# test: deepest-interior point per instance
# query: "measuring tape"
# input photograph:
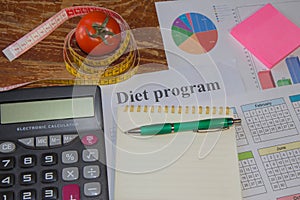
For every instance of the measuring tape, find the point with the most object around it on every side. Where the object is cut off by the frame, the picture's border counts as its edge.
(110, 69)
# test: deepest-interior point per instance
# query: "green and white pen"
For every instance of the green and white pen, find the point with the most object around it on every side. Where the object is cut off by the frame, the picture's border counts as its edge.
(204, 125)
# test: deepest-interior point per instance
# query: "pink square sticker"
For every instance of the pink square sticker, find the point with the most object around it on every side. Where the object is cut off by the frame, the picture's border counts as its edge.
(268, 35)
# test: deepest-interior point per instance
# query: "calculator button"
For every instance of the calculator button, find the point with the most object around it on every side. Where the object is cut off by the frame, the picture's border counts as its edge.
(89, 140)
(28, 161)
(27, 142)
(70, 192)
(7, 195)
(69, 138)
(28, 195)
(41, 141)
(50, 193)
(90, 155)
(49, 176)
(7, 147)
(92, 189)
(91, 172)
(7, 180)
(70, 174)
(55, 140)
(27, 178)
(69, 157)
(7, 163)
(49, 159)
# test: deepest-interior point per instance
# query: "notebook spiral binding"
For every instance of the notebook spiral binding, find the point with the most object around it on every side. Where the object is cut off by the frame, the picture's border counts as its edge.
(179, 109)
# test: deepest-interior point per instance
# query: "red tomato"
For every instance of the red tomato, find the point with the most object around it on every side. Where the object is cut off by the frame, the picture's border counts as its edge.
(98, 34)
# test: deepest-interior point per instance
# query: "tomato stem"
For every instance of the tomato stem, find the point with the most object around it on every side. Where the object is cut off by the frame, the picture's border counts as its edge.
(101, 31)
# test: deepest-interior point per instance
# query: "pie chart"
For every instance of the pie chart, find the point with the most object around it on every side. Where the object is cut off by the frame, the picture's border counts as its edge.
(194, 33)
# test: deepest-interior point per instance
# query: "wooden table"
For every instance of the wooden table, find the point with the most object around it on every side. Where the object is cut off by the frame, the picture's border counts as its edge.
(45, 59)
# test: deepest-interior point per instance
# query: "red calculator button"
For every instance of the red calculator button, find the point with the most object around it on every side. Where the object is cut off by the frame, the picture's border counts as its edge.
(71, 192)
(89, 140)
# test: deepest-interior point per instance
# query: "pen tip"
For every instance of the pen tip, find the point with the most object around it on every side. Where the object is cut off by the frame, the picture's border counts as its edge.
(237, 121)
(133, 131)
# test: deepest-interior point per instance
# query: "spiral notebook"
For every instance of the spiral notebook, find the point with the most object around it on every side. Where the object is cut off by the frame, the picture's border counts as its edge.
(185, 165)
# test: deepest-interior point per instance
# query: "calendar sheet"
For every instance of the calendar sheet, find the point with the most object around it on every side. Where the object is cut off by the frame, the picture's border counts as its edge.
(269, 143)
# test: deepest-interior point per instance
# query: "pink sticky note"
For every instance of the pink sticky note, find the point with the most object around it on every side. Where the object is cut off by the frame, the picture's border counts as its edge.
(268, 35)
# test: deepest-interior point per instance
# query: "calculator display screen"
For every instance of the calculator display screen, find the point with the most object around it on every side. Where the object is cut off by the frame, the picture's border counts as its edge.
(47, 110)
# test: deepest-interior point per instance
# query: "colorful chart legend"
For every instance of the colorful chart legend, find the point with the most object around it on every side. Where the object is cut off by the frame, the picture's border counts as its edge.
(194, 33)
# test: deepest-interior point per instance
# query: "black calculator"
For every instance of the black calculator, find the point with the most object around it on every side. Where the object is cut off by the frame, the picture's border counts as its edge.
(52, 144)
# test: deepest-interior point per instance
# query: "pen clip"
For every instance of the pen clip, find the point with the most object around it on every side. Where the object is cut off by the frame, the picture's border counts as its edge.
(211, 130)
